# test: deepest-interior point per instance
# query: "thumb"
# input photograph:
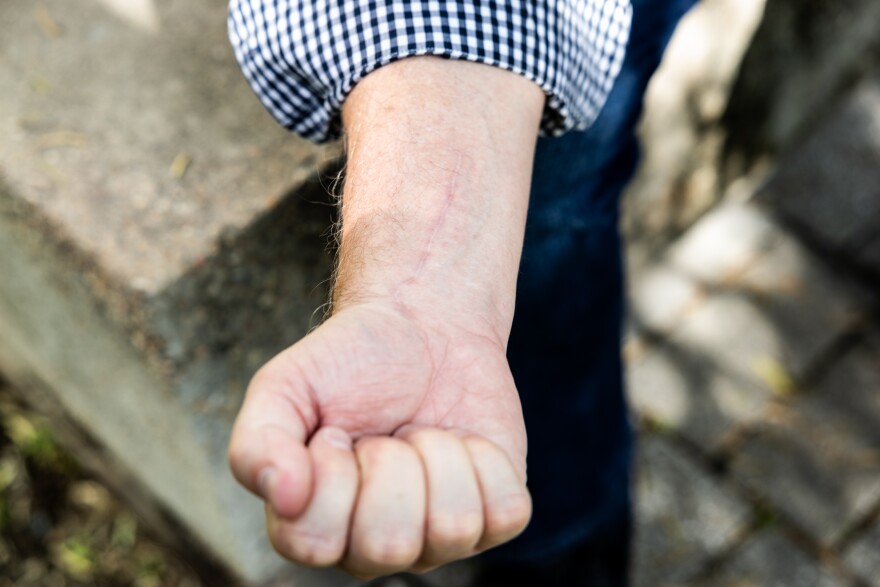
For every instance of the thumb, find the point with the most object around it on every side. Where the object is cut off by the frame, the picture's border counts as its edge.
(267, 450)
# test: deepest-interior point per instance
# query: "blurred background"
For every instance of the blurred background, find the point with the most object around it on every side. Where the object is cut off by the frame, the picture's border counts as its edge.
(153, 218)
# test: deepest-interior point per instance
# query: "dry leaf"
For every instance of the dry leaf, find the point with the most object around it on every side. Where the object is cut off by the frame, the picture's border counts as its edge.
(774, 374)
(47, 22)
(62, 138)
(180, 165)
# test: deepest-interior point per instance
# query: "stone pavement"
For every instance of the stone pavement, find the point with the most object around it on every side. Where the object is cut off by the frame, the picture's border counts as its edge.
(753, 360)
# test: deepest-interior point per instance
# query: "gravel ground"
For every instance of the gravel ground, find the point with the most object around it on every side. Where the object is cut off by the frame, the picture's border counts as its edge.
(59, 527)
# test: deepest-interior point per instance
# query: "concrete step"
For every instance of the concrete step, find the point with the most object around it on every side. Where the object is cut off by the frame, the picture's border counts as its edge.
(161, 237)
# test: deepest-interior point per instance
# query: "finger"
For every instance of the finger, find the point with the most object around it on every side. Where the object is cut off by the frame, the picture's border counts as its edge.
(319, 536)
(507, 505)
(389, 517)
(454, 522)
(267, 452)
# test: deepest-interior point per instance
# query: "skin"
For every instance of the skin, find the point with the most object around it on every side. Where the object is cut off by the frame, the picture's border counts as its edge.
(391, 438)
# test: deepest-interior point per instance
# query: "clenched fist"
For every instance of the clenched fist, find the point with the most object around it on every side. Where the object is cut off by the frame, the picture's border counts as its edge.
(382, 444)
(391, 438)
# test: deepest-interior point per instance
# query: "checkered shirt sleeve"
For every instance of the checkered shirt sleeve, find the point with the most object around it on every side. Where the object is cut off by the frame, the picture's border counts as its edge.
(302, 57)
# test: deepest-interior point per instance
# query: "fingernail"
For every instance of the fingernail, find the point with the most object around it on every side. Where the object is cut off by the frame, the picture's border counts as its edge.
(266, 480)
(338, 438)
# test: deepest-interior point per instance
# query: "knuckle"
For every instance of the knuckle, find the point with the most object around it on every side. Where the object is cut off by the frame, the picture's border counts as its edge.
(455, 530)
(509, 515)
(318, 553)
(398, 552)
(314, 549)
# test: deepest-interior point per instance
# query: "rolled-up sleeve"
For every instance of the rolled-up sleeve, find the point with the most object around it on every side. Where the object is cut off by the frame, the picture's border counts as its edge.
(303, 57)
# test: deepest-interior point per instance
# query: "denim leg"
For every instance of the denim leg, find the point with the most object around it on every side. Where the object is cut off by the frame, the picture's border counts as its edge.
(565, 344)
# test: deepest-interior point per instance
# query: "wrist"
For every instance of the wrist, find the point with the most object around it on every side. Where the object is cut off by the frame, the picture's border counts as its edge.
(436, 190)
(434, 307)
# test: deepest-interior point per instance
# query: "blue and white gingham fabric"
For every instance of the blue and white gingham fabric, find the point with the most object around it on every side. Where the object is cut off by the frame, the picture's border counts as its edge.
(302, 57)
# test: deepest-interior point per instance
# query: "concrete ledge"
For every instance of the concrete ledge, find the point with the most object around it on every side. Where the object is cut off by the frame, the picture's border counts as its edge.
(160, 239)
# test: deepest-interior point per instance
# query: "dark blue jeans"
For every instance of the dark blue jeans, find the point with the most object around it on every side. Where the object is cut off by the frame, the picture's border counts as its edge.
(565, 345)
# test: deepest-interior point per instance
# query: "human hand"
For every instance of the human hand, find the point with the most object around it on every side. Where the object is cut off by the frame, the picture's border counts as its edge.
(383, 442)
(391, 438)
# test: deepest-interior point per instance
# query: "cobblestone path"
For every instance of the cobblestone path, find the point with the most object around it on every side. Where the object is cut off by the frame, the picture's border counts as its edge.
(753, 361)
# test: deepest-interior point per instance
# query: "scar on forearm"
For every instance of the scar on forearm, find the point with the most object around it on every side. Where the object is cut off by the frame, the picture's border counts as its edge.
(438, 226)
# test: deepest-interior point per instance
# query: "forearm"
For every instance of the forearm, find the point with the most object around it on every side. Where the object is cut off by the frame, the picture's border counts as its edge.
(391, 438)
(434, 204)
